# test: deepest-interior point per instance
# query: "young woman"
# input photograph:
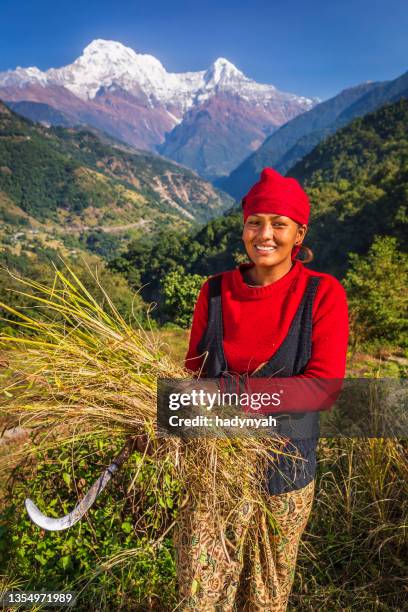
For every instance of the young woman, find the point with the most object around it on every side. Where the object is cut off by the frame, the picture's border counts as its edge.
(270, 316)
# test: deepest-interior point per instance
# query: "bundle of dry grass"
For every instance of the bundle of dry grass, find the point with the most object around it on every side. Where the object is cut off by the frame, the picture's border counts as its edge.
(78, 366)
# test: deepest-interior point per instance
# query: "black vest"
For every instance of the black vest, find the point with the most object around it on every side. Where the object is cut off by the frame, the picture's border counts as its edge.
(290, 359)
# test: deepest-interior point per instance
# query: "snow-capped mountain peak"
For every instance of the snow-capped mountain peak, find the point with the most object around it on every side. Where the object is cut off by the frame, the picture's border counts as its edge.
(222, 71)
(106, 66)
(23, 76)
(104, 63)
(110, 48)
(131, 96)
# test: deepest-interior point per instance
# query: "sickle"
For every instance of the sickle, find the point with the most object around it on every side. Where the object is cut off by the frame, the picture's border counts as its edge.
(59, 524)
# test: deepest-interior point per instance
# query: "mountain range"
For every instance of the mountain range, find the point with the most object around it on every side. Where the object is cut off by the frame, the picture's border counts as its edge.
(209, 120)
(294, 140)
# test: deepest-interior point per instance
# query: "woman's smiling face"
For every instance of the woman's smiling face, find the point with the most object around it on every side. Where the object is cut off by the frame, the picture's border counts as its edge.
(269, 238)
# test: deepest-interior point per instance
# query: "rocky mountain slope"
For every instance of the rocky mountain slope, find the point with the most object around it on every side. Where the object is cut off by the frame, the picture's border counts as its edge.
(132, 97)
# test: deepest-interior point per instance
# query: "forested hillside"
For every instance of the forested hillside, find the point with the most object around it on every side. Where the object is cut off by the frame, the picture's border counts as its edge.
(357, 182)
(82, 195)
(297, 138)
(75, 179)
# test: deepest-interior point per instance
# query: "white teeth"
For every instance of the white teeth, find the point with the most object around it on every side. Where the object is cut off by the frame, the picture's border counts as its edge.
(262, 248)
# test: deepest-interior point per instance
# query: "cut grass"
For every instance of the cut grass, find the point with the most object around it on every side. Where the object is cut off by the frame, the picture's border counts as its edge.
(352, 554)
(86, 370)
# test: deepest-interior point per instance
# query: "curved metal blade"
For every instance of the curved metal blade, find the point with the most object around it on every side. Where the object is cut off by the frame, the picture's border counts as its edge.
(59, 524)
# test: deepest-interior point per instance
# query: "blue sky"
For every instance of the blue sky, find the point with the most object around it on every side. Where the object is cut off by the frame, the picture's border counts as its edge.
(308, 47)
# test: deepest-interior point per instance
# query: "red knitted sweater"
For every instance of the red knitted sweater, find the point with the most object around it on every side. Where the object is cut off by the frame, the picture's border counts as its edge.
(257, 319)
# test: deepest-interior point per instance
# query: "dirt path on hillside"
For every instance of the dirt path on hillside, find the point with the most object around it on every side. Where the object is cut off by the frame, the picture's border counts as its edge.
(107, 229)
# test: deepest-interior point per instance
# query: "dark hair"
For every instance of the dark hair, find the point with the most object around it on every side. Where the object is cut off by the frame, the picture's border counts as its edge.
(305, 253)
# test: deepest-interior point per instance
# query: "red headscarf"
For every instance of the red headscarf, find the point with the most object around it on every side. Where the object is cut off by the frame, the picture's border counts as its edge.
(274, 193)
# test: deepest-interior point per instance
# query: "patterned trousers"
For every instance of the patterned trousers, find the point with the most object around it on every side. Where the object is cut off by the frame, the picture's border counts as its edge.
(257, 579)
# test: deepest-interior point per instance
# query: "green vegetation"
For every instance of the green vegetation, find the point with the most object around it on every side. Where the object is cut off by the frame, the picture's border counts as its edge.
(357, 180)
(77, 177)
(38, 267)
(353, 553)
(103, 244)
(215, 247)
(85, 554)
(74, 192)
(40, 179)
(378, 290)
(355, 536)
(180, 291)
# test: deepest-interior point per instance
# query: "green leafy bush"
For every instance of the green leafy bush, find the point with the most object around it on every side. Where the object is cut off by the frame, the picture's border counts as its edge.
(377, 286)
(119, 522)
(180, 291)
